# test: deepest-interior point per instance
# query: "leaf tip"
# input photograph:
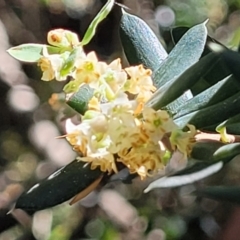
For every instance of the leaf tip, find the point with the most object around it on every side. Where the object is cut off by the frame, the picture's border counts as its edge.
(206, 21)
(9, 51)
(148, 189)
(13, 207)
(122, 6)
(124, 12)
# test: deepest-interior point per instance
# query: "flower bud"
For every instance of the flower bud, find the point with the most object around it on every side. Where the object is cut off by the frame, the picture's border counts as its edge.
(62, 38)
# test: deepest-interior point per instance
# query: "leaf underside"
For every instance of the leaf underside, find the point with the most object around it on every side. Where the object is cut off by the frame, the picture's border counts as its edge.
(59, 187)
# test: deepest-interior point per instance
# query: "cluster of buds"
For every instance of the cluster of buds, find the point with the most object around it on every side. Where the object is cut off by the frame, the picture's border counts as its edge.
(118, 126)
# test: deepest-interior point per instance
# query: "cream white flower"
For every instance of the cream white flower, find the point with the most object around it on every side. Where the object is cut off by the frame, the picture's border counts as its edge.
(87, 70)
(115, 133)
(157, 123)
(104, 160)
(183, 141)
(51, 65)
(110, 82)
(143, 159)
(114, 75)
(140, 82)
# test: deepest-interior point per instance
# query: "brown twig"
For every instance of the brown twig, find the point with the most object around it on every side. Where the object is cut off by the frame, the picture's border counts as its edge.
(203, 136)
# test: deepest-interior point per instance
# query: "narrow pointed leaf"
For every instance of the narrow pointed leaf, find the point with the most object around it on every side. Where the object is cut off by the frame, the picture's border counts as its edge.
(69, 63)
(231, 125)
(221, 193)
(234, 128)
(93, 26)
(186, 53)
(232, 60)
(199, 169)
(180, 101)
(26, 52)
(215, 73)
(227, 151)
(30, 52)
(230, 121)
(79, 100)
(204, 150)
(178, 32)
(59, 187)
(213, 95)
(180, 180)
(140, 44)
(176, 87)
(214, 114)
(216, 151)
(218, 72)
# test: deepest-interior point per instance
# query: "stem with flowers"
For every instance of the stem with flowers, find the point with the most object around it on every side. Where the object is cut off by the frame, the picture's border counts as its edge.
(130, 117)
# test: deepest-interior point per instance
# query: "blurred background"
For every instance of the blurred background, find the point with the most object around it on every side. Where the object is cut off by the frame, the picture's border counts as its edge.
(32, 116)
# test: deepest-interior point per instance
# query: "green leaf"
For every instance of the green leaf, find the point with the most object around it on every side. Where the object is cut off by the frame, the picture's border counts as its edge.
(217, 72)
(30, 52)
(228, 151)
(180, 101)
(79, 100)
(232, 120)
(186, 53)
(221, 193)
(93, 26)
(178, 32)
(59, 187)
(231, 59)
(218, 156)
(195, 173)
(215, 151)
(213, 95)
(55, 50)
(69, 62)
(27, 52)
(211, 115)
(176, 87)
(140, 44)
(234, 128)
(204, 150)
(232, 125)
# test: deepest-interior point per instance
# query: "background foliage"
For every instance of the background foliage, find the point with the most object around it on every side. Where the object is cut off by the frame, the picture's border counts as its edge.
(31, 119)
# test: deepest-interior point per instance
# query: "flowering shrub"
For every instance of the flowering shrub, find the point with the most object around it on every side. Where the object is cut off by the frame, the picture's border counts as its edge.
(133, 117)
(118, 126)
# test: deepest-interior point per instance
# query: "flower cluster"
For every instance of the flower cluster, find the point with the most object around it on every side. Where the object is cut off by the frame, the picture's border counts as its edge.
(117, 127)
